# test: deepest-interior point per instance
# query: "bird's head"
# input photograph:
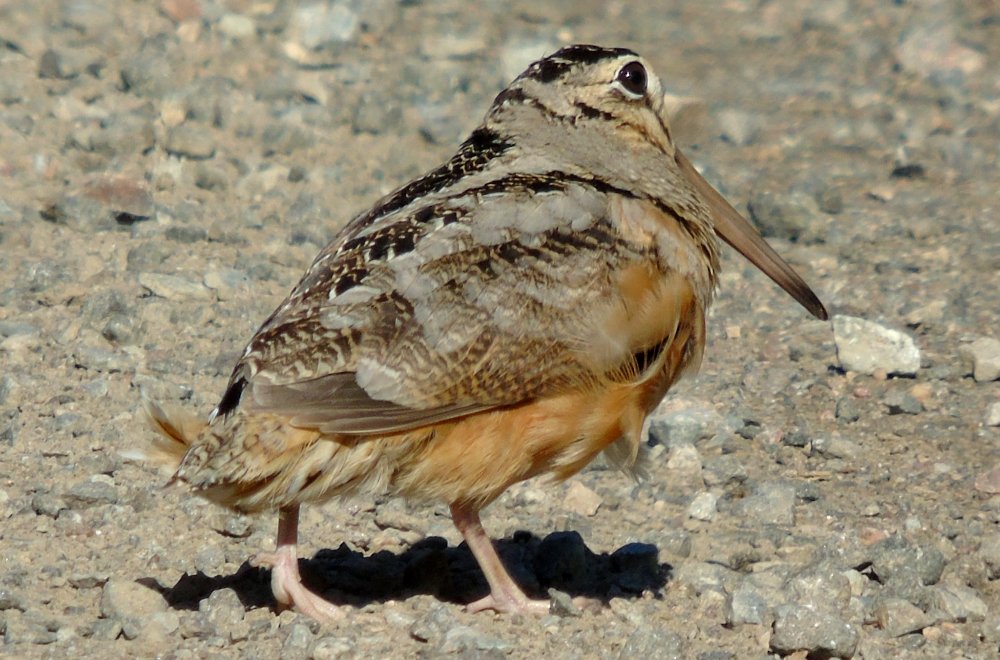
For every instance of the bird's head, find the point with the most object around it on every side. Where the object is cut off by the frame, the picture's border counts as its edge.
(599, 112)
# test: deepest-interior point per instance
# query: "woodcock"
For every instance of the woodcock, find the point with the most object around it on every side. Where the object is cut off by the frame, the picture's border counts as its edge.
(511, 314)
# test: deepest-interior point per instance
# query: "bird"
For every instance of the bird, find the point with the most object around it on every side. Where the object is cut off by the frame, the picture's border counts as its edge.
(513, 313)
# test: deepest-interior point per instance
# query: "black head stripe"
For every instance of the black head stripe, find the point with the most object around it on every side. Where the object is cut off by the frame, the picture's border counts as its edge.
(549, 69)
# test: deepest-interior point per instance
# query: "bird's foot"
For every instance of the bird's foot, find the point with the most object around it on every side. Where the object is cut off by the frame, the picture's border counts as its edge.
(509, 604)
(287, 587)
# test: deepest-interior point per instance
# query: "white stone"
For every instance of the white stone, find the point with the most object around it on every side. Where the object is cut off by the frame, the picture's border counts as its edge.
(703, 506)
(865, 347)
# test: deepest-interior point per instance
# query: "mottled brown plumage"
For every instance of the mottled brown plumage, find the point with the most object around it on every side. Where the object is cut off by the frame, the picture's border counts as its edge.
(513, 313)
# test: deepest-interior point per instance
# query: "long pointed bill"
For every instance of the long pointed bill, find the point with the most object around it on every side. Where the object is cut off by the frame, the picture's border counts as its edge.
(734, 229)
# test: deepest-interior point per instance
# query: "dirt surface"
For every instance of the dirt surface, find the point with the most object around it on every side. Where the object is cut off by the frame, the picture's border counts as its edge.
(169, 169)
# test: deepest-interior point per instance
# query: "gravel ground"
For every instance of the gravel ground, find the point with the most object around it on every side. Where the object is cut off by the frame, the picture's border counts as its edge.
(168, 169)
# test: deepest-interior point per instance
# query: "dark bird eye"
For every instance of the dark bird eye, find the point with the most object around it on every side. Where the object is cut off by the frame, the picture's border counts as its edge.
(633, 78)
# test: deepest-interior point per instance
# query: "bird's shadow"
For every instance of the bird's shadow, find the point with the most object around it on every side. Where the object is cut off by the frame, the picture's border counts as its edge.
(344, 576)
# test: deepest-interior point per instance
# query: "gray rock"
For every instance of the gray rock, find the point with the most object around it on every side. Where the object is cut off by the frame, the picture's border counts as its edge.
(124, 599)
(771, 503)
(102, 360)
(898, 617)
(705, 576)
(86, 494)
(48, 504)
(746, 604)
(122, 134)
(836, 447)
(224, 614)
(739, 127)
(790, 217)
(210, 560)
(173, 287)
(561, 604)
(983, 358)
(30, 627)
(148, 72)
(819, 633)
(88, 580)
(330, 647)
(897, 559)
(432, 626)
(821, 588)
(989, 551)
(190, 141)
(898, 402)
(866, 347)
(703, 506)
(723, 471)
(237, 26)
(687, 426)
(932, 49)
(675, 543)
(653, 642)
(847, 410)
(11, 600)
(957, 603)
(991, 418)
(297, 643)
(466, 639)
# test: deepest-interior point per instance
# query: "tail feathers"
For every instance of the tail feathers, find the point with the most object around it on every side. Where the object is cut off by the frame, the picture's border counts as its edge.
(175, 431)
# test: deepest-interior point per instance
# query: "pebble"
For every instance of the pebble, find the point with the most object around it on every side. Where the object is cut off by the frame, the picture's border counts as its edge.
(703, 506)
(297, 642)
(792, 217)
(818, 633)
(738, 127)
(190, 141)
(123, 599)
(989, 551)
(330, 647)
(866, 347)
(432, 626)
(983, 359)
(48, 504)
(895, 558)
(237, 26)
(836, 447)
(771, 503)
(723, 472)
(746, 604)
(820, 588)
(989, 480)
(86, 494)
(898, 617)
(992, 417)
(11, 600)
(653, 642)
(689, 425)
(957, 603)
(581, 500)
(847, 410)
(898, 402)
(932, 49)
(464, 640)
(562, 605)
(684, 458)
(173, 287)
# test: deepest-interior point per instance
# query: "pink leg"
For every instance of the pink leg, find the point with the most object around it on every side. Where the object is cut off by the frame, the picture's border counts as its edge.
(505, 595)
(286, 584)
